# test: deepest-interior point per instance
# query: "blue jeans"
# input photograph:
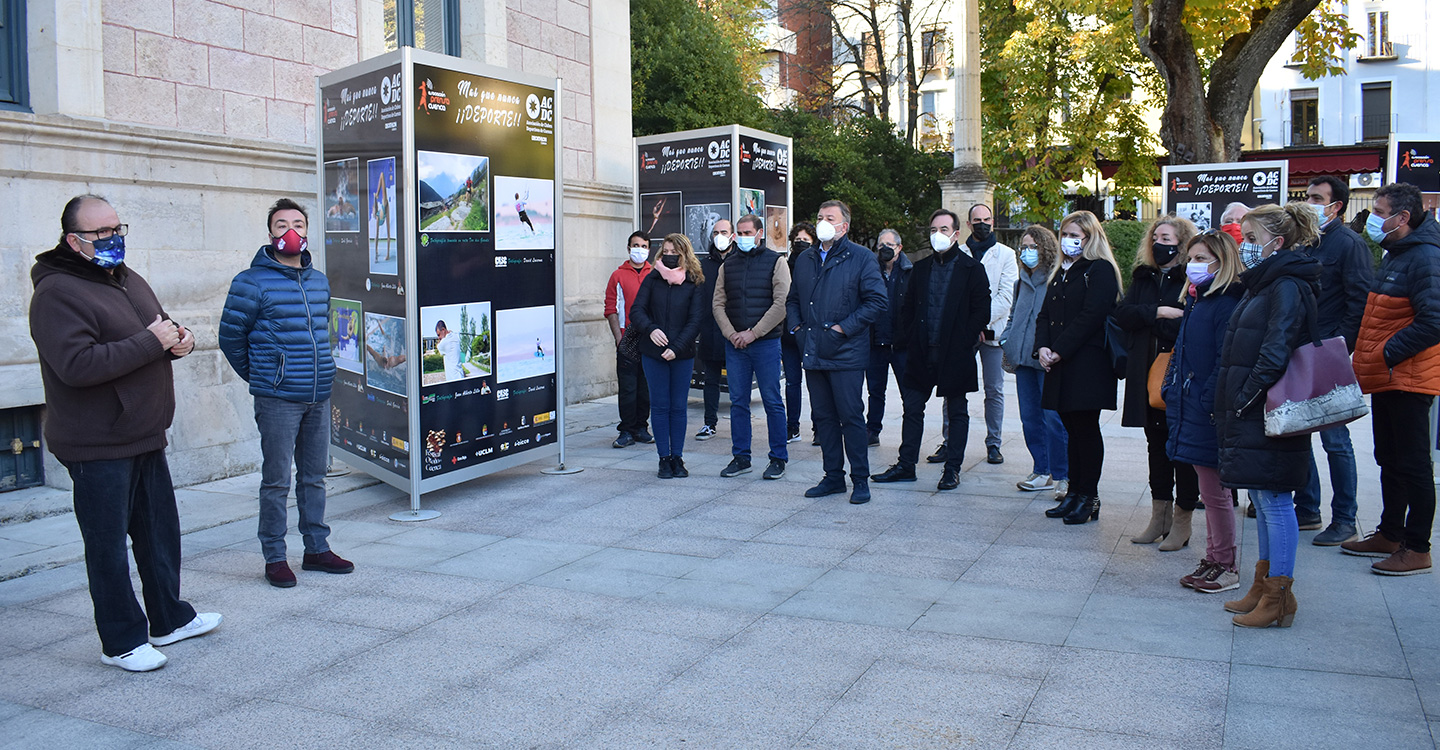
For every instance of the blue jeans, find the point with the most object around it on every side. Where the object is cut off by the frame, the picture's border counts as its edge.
(883, 359)
(669, 393)
(1343, 479)
(130, 497)
(1044, 433)
(1278, 531)
(760, 361)
(290, 430)
(790, 363)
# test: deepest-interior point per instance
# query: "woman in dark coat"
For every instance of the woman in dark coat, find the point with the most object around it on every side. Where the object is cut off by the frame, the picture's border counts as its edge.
(1267, 325)
(668, 309)
(1070, 345)
(1150, 315)
(1189, 390)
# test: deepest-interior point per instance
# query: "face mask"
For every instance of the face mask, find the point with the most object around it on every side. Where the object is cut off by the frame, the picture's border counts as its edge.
(746, 244)
(1374, 226)
(1163, 253)
(109, 252)
(1234, 231)
(721, 241)
(887, 253)
(1198, 273)
(1030, 256)
(1319, 210)
(1071, 246)
(799, 246)
(824, 231)
(670, 261)
(939, 242)
(639, 254)
(1251, 254)
(290, 243)
(981, 230)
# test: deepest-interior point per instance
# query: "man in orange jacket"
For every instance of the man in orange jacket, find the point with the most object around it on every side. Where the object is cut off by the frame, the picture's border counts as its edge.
(1397, 359)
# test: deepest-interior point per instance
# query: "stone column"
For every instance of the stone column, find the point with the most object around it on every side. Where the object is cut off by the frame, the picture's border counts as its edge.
(968, 184)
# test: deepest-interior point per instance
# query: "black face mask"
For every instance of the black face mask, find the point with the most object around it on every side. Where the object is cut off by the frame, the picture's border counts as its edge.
(1163, 253)
(670, 261)
(981, 230)
(799, 246)
(886, 253)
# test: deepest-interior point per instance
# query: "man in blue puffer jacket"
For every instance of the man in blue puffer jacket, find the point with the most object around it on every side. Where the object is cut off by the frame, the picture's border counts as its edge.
(275, 333)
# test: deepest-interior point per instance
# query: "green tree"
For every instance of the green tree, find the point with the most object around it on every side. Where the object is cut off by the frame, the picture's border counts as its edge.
(687, 70)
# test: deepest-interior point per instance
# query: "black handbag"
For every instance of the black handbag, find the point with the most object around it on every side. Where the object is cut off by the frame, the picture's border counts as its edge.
(630, 343)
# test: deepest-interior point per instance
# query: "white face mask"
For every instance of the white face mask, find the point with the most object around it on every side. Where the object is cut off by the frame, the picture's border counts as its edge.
(721, 241)
(939, 242)
(1071, 246)
(639, 255)
(824, 231)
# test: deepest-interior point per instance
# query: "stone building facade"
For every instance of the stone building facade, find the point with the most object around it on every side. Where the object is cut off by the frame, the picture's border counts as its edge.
(192, 116)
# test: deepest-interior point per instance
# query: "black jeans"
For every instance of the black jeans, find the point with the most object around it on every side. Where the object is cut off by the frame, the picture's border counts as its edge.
(711, 369)
(912, 427)
(1169, 480)
(1085, 449)
(883, 359)
(790, 363)
(839, 415)
(134, 497)
(634, 396)
(1401, 421)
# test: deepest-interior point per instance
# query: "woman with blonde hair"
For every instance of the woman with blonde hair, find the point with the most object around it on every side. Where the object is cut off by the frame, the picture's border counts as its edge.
(1150, 315)
(1070, 346)
(1044, 434)
(668, 310)
(1267, 325)
(1213, 271)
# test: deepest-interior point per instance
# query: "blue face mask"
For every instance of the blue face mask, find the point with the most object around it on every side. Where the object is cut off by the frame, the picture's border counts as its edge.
(1375, 227)
(746, 244)
(1029, 256)
(109, 252)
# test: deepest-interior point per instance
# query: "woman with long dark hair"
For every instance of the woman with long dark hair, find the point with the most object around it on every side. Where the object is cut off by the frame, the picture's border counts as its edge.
(668, 310)
(1070, 344)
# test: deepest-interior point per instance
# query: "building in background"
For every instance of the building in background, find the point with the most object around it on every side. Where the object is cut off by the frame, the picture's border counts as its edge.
(192, 116)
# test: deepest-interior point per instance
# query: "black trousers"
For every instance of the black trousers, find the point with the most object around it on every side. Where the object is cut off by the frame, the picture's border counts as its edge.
(130, 497)
(1401, 421)
(912, 426)
(838, 410)
(1085, 449)
(711, 369)
(1169, 480)
(634, 395)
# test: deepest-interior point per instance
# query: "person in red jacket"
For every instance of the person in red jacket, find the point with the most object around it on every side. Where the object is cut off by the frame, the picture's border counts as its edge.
(620, 293)
(1397, 360)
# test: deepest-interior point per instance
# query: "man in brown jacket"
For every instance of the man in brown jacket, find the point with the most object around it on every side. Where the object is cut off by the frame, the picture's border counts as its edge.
(105, 348)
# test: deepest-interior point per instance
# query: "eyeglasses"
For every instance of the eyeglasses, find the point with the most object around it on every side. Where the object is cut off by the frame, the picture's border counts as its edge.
(120, 230)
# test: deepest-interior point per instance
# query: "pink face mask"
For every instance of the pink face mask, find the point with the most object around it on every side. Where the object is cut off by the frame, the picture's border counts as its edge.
(290, 243)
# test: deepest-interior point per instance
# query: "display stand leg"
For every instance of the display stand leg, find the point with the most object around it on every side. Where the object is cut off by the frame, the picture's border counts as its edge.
(561, 468)
(415, 513)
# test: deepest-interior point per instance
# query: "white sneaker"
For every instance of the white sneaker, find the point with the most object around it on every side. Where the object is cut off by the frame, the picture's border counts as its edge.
(1035, 483)
(144, 658)
(1062, 488)
(203, 623)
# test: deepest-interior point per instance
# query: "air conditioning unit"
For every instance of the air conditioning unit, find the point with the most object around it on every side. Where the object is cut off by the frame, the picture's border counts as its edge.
(1365, 180)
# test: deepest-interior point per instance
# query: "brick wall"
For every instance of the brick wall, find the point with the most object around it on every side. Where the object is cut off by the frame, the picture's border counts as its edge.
(242, 68)
(552, 38)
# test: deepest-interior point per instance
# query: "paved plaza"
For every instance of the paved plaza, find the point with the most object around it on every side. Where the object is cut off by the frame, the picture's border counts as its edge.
(613, 609)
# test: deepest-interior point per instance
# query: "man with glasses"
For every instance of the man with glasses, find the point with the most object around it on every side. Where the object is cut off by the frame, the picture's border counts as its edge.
(105, 346)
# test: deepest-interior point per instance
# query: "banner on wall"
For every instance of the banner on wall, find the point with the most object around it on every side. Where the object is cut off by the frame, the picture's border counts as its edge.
(1201, 192)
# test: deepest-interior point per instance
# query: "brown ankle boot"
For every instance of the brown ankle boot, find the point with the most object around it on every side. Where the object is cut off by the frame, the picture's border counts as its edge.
(1179, 531)
(1252, 597)
(1277, 605)
(1160, 511)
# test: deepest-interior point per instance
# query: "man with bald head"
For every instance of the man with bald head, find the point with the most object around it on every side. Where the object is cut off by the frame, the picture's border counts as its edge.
(105, 346)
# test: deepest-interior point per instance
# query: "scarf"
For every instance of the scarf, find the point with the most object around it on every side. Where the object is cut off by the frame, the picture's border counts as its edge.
(978, 247)
(674, 276)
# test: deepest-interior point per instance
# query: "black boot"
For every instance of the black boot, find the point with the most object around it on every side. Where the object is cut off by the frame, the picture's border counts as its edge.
(677, 467)
(666, 470)
(1066, 506)
(1087, 510)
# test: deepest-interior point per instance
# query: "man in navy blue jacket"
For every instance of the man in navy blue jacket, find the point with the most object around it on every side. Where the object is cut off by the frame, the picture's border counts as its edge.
(836, 295)
(275, 332)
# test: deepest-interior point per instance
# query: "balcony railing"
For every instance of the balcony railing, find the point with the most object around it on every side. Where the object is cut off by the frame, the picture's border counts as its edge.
(1375, 127)
(1383, 51)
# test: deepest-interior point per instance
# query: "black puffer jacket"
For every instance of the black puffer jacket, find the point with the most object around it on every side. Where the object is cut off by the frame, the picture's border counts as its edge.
(676, 309)
(1071, 323)
(966, 313)
(712, 344)
(1147, 336)
(1265, 328)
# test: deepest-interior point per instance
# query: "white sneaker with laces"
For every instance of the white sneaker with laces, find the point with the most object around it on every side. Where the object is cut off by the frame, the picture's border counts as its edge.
(203, 623)
(143, 658)
(1035, 483)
